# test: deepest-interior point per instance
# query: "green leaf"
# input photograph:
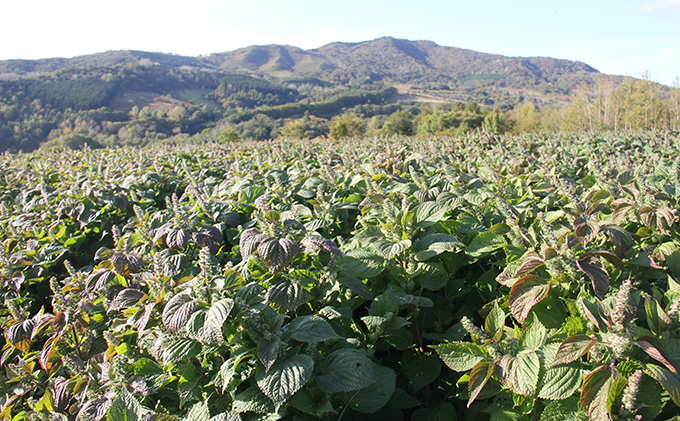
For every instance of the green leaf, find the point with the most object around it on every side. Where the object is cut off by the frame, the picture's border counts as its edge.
(345, 370)
(564, 410)
(310, 329)
(268, 351)
(252, 400)
(573, 348)
(125, 408)
(313, 402)
(146, 367)
(534, 335)
(524, 372)
(228, 368)
(198, 412)
(595, 392)
(373, 397)
(485, 242)
(177, 349)
(402, 400)
(420, 369)
(384, 303)
(190, 385)
(285, 377)
(433, 244)
(429, 213)
(508, 415)
(460, 356)
(178, 310)
(433, 276)
(214, 320)
(667, 379)
(442, 412)
(480, 374)
(525, 293)
(356, 285)
(557, 382)
(495, 320)
(390, 250)
(361, 263)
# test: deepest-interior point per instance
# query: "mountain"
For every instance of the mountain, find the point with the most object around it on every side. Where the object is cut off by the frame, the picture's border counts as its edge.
(398, 61)
(136, 97)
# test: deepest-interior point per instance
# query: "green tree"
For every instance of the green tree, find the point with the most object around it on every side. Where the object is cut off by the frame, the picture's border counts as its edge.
(78, 139)
(400, 122)
(228, 135)
(348, 125)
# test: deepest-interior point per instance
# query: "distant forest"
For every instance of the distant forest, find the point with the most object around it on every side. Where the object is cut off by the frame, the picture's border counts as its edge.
(119, 99)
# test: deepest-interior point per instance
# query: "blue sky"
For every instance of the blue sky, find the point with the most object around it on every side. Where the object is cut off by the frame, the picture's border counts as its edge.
(623, 37)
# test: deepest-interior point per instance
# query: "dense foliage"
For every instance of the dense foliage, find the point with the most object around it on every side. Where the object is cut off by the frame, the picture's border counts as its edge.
(478, 277)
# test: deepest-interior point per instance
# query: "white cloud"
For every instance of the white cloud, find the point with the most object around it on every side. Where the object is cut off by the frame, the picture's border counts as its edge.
(660, 5)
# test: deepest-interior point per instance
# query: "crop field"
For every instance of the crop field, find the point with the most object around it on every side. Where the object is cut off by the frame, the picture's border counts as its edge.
(483, 277)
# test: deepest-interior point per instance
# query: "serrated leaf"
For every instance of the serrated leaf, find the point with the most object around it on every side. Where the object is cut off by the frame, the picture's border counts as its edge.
(125, 408)
(94, 409)
(313, 402)
(345, 370)
(436, 243)
(252, 400)
(228, 368)
(250, 239)
(594, 393)
(268, 351)
(525, 293)
(495, 320)
(177, 349)
(390, 250)
(420, 369)
(362, 263)
(573, 348)
(310, 329)
(667, 379)
(214, 320)
(524, 372)
(460, 356)
(356, 285)
(485, 242)
(128, 297)
(285, 377)
(557, 382)
(564, 410)
(480, 374)
(286, 294)
(429, 213)
(534, 335)
(178, 310)
(198, 412)
(655, 349)
(372, 398)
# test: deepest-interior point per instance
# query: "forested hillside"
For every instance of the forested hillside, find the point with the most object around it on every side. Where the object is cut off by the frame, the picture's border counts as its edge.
(381, 87)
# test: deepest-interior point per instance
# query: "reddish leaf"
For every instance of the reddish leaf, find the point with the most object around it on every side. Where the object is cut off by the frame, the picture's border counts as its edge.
(620, 208)
(480, 374)
(587, 228)
(655, 349)
(573, 348)
(592, 267)
(525, 293)
(594, 393)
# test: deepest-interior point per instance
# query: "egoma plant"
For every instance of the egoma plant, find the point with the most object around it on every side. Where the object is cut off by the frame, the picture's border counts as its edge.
(481, 277)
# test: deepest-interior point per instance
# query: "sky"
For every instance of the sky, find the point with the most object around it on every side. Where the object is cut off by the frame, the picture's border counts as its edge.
(621, 37)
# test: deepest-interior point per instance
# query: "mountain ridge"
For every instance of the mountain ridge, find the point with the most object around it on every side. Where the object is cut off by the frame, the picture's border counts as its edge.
(386, 58)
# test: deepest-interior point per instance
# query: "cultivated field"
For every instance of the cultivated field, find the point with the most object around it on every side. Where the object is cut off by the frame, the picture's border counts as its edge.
(532, 277)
